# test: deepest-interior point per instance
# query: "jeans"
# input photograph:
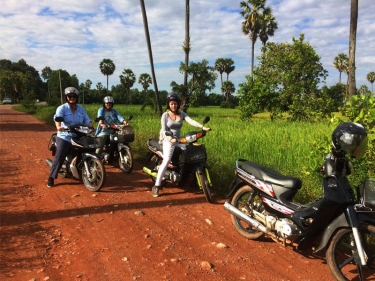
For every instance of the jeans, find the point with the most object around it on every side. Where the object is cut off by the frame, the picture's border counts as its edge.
(62, 150)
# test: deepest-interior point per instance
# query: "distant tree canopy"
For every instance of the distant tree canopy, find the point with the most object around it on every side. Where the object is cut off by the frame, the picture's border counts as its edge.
(286, 80)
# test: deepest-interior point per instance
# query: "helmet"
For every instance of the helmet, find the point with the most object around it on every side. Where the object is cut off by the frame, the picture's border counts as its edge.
(71, 90)
(351, 138)
(173, 97)
(108, 99)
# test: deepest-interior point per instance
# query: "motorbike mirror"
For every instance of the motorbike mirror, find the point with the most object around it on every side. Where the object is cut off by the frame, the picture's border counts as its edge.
(168, 133)
(130, 118)
(206, 119)
(97, 119)
(59, 119)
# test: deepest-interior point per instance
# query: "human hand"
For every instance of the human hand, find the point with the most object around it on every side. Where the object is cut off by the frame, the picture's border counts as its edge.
(206, 129)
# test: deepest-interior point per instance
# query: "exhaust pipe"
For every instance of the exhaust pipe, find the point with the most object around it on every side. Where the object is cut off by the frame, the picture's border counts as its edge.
(49, 162)
(149, 172)
(237, 213)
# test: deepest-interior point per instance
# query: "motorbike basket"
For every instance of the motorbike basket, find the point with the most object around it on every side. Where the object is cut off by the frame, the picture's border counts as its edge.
(126, 135)
(367, 194)
(195, 153)
(90, 142)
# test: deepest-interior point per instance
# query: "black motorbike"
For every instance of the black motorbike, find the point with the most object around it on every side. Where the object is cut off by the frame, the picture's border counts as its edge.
(82, 162)
(339, 221)
(191, 161)
(117, 147)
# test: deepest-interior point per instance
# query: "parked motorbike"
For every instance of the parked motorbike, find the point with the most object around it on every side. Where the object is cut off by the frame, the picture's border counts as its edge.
(191, 161)
(118, 148)
(82, 163)
(340, 222)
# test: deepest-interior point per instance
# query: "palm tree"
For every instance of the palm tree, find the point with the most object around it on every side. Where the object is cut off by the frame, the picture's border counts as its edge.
(187, 48)
(107, 67)
(229, 66)
(88, 84)
(219, 66)
(352, 45)
(99, 86)
(148, 40)
(341, 63)
(127, 80)
(145, 80)
(46, 74)
(268, 25)
(228, 88)
(371, 78)
(255, 16)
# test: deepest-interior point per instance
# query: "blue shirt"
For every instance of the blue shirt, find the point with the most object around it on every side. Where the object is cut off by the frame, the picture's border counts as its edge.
(110, 118)
(79, 117)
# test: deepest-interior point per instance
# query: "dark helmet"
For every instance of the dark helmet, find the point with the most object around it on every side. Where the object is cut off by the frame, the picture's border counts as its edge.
(109, 99)
(173, 97)
(351, 138)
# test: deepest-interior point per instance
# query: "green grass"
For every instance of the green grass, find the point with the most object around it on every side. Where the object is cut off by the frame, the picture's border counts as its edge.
(284, 146)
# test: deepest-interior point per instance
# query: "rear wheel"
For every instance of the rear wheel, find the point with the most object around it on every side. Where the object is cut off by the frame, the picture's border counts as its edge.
(245, 200)
(126, 163)
(342, 254)
(95, 179)
(203, 183)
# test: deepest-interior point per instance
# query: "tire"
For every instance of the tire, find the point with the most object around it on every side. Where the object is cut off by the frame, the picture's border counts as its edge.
(343, 259)
(241, 201)
(205, 186)
(126, 167)
(97, 178)
(153, 165)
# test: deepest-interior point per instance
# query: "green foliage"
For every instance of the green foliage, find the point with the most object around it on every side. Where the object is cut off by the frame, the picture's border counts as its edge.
(227, 104)
(286, 79)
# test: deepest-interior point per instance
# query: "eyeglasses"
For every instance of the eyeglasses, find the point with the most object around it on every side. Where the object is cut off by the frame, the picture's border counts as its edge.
(108, 103)
(71, 96)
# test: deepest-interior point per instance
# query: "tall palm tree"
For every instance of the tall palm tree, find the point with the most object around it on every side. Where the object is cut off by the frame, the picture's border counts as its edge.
(127, 79)
(148, 40)
(145, 80)
(371, 78)
(229, 66)
(255, 15)
(352, 46)
(107, 67)
(228, 88)
(341, 63)
(268, 25)
(187, 48)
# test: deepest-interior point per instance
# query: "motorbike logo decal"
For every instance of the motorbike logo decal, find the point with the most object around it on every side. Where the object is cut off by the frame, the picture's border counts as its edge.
(278, 207)
(256, 183)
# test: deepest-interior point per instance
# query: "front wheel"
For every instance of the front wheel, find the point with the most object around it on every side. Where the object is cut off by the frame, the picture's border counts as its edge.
(94, 180)
(125, 160)
(246, 200)
(203, 183)
(342, 254)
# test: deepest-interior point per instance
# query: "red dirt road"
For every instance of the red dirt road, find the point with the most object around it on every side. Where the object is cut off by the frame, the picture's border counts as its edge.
(122, 232)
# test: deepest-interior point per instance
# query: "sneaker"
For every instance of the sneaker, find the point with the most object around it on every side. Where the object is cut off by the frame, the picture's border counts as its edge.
(50, 182)
(155, 191)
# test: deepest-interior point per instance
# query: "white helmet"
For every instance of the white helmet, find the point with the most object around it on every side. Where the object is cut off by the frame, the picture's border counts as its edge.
(108, 99)
(71, 90)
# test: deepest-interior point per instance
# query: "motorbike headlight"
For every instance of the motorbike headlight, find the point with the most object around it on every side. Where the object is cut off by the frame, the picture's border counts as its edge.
(191, 138)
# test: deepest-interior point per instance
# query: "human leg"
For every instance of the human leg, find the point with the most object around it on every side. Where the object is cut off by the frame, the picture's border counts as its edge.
(168, 149)
(62, 149)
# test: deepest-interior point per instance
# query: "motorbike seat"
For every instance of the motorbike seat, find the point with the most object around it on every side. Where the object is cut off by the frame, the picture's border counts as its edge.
(270, 175)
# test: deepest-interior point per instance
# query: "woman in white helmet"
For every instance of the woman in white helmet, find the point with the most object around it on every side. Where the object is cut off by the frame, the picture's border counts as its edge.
(110, 117)
(73, 114)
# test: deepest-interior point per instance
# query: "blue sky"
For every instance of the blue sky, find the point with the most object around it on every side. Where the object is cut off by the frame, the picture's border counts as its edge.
(77, 35)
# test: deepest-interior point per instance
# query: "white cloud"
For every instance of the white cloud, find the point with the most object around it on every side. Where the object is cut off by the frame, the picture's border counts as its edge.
(76, 36)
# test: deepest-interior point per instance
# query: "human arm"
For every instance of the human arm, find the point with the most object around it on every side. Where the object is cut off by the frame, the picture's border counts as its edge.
(194, 123)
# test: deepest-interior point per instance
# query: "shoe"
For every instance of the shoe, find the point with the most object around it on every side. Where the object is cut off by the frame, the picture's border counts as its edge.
(155, 191)
(50, 182)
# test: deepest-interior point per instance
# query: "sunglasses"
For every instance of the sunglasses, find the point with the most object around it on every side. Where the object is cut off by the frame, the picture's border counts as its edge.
(71, 96)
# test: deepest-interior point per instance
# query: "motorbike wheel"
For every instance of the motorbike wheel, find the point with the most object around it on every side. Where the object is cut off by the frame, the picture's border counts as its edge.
(205, 186)
(245, 202)
(96, 180)
(127, 165)
(152, 165)
(342, 256)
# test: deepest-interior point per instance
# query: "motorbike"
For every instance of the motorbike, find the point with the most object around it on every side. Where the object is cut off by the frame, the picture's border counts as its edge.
(82, 163)
(188, 162)
(117, 147)
(261, 203)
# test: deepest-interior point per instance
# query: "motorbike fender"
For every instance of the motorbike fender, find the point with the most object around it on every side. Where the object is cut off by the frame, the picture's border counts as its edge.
(235, 185)
(339, 222)
(90, 154)
(121, 146)
(199, 167)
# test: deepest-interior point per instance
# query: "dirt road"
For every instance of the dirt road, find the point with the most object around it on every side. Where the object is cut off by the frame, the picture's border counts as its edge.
(121, 233)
